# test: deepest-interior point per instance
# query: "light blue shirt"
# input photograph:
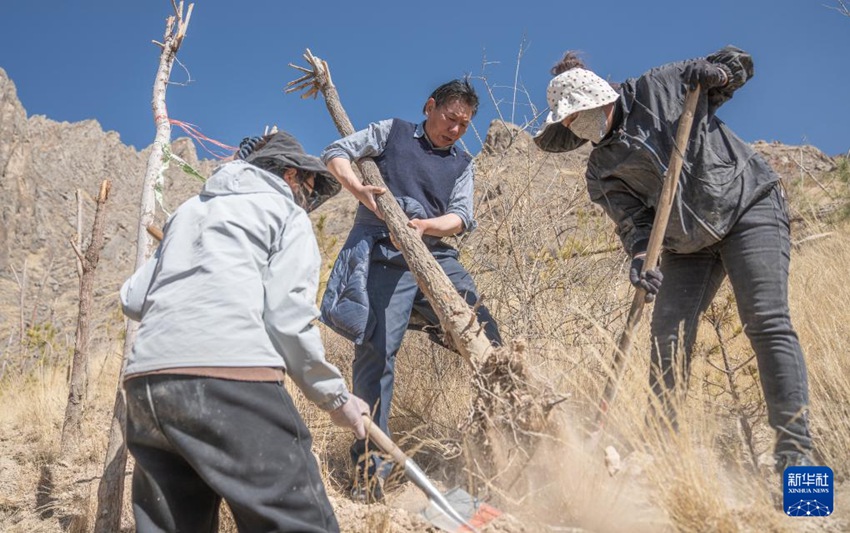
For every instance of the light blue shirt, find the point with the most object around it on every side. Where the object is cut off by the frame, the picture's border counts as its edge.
(370, 142)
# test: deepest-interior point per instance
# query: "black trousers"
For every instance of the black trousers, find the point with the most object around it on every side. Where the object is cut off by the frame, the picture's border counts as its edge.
(755, 255)
(197, 440)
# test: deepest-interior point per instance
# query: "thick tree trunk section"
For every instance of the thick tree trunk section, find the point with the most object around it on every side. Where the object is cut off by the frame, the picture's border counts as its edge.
(110, 492)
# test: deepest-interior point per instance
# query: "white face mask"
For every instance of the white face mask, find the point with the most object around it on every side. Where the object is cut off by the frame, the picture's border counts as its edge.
(590, 124)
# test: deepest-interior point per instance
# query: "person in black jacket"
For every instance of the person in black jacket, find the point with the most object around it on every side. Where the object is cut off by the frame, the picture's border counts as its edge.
(729, 218)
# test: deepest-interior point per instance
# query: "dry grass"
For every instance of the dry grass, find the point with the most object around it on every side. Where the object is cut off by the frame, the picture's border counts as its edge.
(820, 303)
(30, 422)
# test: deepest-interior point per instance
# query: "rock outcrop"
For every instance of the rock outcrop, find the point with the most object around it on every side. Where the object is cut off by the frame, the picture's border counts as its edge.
(43, 163)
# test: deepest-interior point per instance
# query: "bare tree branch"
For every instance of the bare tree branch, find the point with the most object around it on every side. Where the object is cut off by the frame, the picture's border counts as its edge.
(516, 75)
(843, 7)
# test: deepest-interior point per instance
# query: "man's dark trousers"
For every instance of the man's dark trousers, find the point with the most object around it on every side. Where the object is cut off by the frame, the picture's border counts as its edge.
(197, 440)
(393, 294)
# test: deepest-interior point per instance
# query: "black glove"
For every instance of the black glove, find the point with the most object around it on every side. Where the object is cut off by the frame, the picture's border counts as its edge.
(247, 147)
(706, 74)
(650, 281)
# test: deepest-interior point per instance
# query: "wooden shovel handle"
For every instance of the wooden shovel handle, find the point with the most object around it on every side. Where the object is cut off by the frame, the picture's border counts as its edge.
(653, 252)
(383, 441)
(671, 181)
(154, 232)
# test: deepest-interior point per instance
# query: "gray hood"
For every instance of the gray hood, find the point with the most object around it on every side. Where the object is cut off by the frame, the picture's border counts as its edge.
(239, 177)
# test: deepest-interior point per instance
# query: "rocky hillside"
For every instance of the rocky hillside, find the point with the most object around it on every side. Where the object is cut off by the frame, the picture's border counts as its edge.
(44, 163)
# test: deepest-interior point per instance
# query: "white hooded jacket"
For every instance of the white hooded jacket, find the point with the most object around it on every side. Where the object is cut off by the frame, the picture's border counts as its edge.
(233, 284)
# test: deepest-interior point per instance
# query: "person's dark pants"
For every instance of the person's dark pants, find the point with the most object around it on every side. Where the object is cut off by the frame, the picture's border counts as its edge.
(393, 294)
(755, 255)
(197, 440)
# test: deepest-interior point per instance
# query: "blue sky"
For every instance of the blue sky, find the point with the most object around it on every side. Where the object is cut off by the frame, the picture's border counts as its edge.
(93, 59)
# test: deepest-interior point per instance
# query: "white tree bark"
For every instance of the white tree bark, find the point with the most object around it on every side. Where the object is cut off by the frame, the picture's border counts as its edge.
(111, 489)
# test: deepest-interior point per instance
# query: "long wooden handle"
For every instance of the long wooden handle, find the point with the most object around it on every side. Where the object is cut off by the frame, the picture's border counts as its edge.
(653, 252)
(383, 441)
(671, 181)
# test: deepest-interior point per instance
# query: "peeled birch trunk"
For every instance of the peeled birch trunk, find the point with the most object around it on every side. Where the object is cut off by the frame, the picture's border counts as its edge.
(110, 491)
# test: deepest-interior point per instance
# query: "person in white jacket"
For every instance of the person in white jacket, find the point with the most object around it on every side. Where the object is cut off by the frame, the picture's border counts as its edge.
(226, 306)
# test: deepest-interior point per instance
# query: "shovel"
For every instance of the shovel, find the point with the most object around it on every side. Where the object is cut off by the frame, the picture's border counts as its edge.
(455, 511)
(659, 226)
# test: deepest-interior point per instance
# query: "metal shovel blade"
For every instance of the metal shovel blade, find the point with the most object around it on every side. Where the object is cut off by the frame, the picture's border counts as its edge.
(442, 510)
(454, 511)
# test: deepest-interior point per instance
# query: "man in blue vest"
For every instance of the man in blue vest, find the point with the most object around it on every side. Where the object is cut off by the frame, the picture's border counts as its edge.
(371, 292)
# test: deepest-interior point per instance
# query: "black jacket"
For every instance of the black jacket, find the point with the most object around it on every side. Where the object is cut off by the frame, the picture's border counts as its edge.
(721, 177)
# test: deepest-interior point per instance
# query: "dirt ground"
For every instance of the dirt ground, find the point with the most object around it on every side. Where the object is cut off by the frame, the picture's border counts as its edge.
(566, 490)
(401, 513)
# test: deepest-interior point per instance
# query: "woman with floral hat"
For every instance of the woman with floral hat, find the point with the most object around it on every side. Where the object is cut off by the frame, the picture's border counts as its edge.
(729, 218)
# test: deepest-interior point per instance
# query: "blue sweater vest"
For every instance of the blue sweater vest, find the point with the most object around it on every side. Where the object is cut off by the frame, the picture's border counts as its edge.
(411, 167)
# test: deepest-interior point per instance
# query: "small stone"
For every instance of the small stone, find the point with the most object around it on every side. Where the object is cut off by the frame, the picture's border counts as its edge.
(612, 460)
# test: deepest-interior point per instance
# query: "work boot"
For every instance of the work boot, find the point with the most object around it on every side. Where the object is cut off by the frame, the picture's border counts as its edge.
(783, 461)
(367, 491)
(794, 458)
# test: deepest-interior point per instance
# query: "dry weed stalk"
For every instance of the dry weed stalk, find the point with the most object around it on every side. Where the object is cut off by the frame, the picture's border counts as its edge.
(36, 341)
(820, 304)
(22, 290)
(516, 88)
(534, 251)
